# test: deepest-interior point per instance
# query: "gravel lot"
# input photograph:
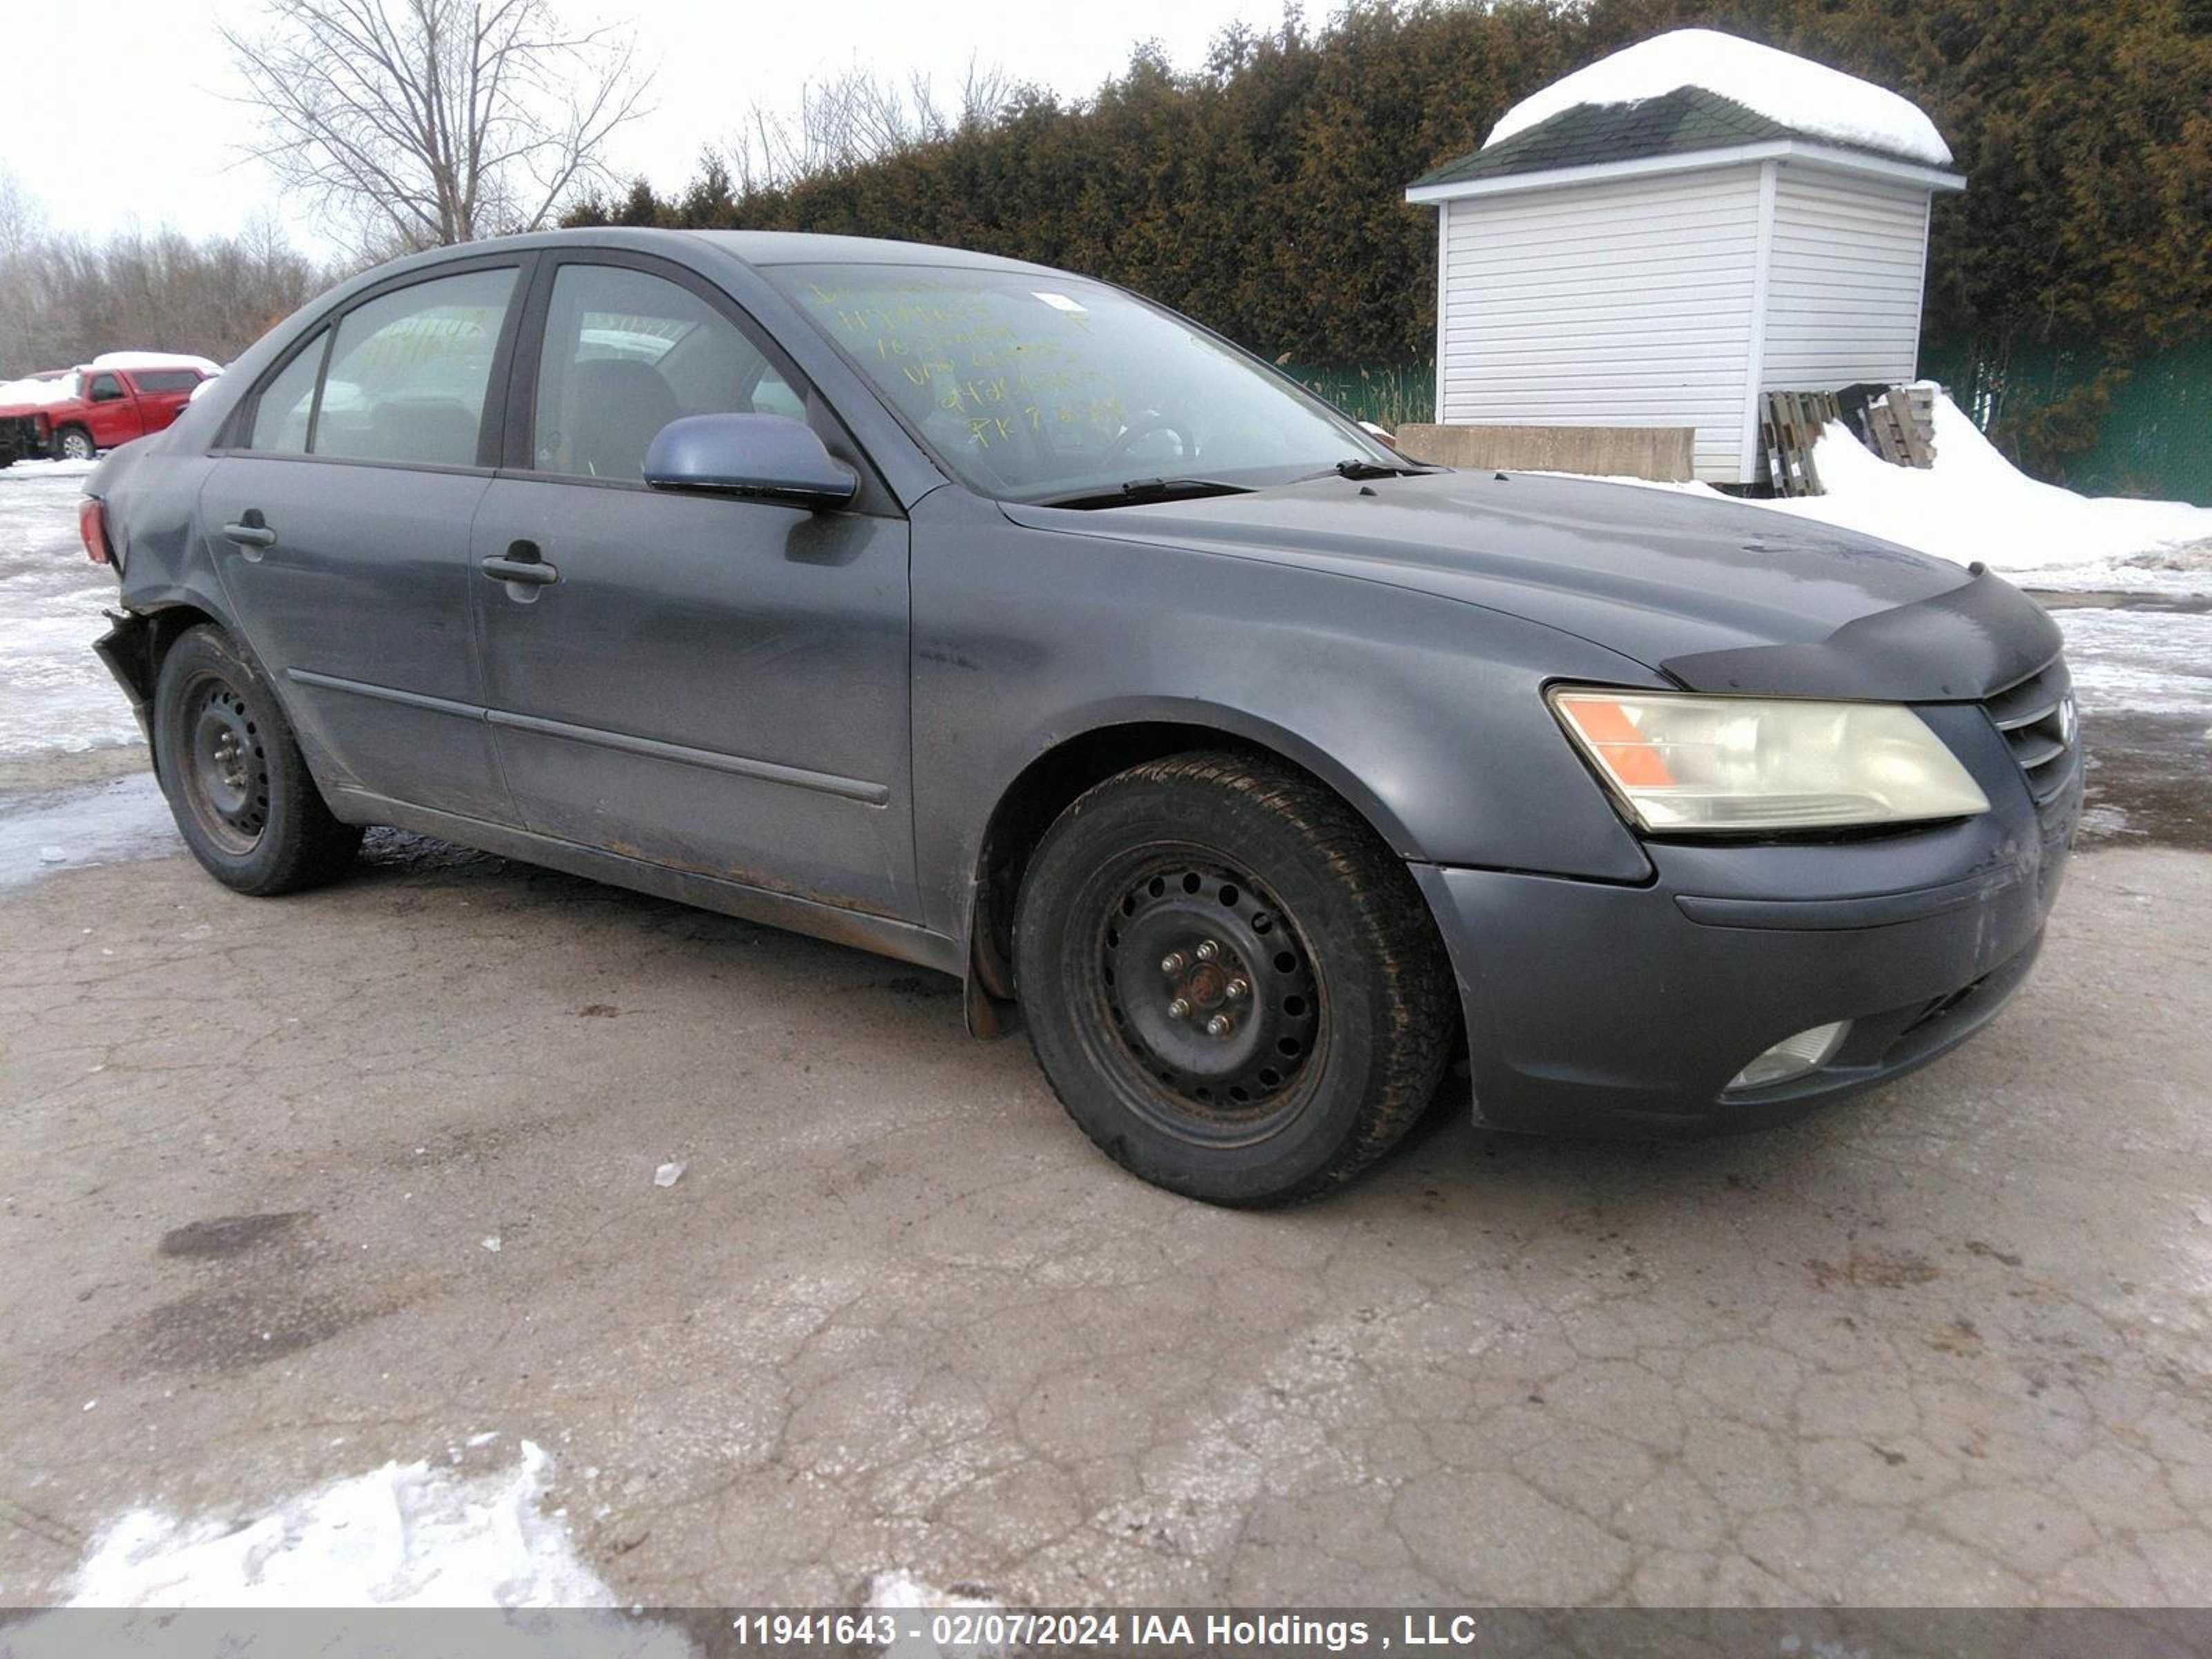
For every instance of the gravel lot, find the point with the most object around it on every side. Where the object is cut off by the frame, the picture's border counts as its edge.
(1951, 1344)
(1948, 1344)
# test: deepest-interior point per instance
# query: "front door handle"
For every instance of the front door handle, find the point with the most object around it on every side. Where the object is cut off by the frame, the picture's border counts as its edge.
(522, 563)
(251, 530)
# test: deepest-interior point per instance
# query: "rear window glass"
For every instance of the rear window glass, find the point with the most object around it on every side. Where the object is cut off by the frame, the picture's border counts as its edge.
(288, 402)
(410, 370)
(165, 379)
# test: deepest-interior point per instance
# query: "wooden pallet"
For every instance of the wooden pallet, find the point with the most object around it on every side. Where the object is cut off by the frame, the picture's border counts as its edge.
(1900, 427)
(1789, 423)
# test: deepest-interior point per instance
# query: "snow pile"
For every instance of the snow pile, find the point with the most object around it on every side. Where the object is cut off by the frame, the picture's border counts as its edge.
(1795, 91)
(38, 393)
(402, 1535)
(1973, 504)
(155, 359)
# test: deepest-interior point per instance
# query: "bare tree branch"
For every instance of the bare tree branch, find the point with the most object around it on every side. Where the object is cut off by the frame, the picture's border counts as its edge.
(415, 123)
(848, 120)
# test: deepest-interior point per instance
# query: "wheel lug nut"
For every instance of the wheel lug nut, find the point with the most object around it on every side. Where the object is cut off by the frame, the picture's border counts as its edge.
(1174, 963)
(1220, 1026)
(1179, 1009)
(1208, 952)
(1236, 990)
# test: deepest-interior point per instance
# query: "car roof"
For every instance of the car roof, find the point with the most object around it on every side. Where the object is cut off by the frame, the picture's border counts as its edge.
(787, 247)
(751, 247)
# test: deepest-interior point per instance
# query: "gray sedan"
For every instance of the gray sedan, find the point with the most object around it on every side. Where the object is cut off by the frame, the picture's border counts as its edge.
(995, 619)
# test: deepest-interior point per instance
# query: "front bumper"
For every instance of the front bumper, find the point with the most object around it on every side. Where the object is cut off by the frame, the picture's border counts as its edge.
(1596, 1007)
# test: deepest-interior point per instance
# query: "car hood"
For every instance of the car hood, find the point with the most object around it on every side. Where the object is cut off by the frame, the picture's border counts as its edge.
(1717, 595)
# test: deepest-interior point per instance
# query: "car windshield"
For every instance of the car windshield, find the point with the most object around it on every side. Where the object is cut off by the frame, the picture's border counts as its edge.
(1039, 387)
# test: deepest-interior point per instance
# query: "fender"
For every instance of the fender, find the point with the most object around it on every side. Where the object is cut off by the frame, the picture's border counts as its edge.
(1107, 738)
(1243, 725)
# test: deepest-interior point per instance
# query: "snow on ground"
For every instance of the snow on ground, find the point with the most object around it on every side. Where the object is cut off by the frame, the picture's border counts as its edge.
(107, 823)
(55, 696)
(1974, 504)
(412, 1534)
(901, 1592)
(2147, 662)
(1795, 91)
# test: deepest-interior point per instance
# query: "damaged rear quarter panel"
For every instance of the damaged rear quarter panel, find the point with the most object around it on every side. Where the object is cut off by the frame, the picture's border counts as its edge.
(166, 572)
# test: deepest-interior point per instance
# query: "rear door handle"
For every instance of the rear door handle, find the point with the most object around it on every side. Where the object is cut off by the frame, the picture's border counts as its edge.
(522, 563)
(251, 531)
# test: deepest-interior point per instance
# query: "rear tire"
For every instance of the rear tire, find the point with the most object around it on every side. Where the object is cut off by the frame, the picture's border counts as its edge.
(74, 443)
(1233, 986)
(228, 762)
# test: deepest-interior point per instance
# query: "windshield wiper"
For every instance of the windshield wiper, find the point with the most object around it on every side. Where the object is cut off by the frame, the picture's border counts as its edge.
(1148, 489)
(1359, 469)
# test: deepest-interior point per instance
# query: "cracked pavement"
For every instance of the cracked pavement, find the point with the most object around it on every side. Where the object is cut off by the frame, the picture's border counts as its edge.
(1945, 1344)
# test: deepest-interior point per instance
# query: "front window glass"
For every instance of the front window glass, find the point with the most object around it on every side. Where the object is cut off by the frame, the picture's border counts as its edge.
(106, 389)
(625, 354)
(1033, 387)
(410, 370)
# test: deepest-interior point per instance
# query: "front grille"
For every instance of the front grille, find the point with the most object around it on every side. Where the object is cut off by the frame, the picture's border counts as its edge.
(2037, 717)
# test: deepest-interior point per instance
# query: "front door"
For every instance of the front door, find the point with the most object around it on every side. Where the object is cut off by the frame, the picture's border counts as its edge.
(112, 414)
(340, 526)
(712, 684)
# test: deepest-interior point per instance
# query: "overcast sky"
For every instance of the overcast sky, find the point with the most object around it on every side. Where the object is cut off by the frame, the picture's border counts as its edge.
(119, 111)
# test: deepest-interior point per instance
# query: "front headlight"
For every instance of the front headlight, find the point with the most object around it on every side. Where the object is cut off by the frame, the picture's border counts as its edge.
(1687, 764)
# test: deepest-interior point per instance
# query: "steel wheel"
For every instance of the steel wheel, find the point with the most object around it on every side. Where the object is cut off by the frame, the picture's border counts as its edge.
(244, 800)
(1212, 992)
(226, 767)
(1231, 982)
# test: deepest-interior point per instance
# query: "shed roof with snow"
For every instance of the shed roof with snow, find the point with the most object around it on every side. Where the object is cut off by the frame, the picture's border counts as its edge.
(1659, 237)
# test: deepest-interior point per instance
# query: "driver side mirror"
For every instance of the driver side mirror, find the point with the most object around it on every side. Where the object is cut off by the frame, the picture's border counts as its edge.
(769, 457)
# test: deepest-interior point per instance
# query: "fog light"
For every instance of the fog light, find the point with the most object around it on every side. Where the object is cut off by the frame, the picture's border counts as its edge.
(1793, 1057)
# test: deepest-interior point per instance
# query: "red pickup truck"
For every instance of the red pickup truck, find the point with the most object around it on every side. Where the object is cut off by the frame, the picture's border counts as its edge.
(104, 404)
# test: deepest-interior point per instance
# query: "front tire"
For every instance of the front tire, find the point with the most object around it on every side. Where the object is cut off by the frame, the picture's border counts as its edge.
(74, 443)
(228, 762)
(1231, 983)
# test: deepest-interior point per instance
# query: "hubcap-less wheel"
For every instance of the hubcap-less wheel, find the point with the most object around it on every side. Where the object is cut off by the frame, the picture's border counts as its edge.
(1212, 993)
(1232, 981)
(245, 801)
(227, 770)
(76, 446)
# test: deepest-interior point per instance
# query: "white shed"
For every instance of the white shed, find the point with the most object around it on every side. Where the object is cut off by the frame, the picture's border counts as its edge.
(1660, 237)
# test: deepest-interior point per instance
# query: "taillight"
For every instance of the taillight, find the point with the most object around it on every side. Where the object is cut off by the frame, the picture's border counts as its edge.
(92, 525)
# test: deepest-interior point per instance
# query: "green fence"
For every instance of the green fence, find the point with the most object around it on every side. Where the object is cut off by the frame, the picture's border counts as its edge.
(1388, 396)
(2155, 439)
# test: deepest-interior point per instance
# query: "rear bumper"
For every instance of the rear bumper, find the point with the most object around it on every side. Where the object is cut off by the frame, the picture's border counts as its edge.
(126, 649)
(1600, 1008)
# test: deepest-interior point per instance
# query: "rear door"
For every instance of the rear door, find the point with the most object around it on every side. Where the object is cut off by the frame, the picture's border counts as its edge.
(713, 684)
(339, 520)
(162, 393)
